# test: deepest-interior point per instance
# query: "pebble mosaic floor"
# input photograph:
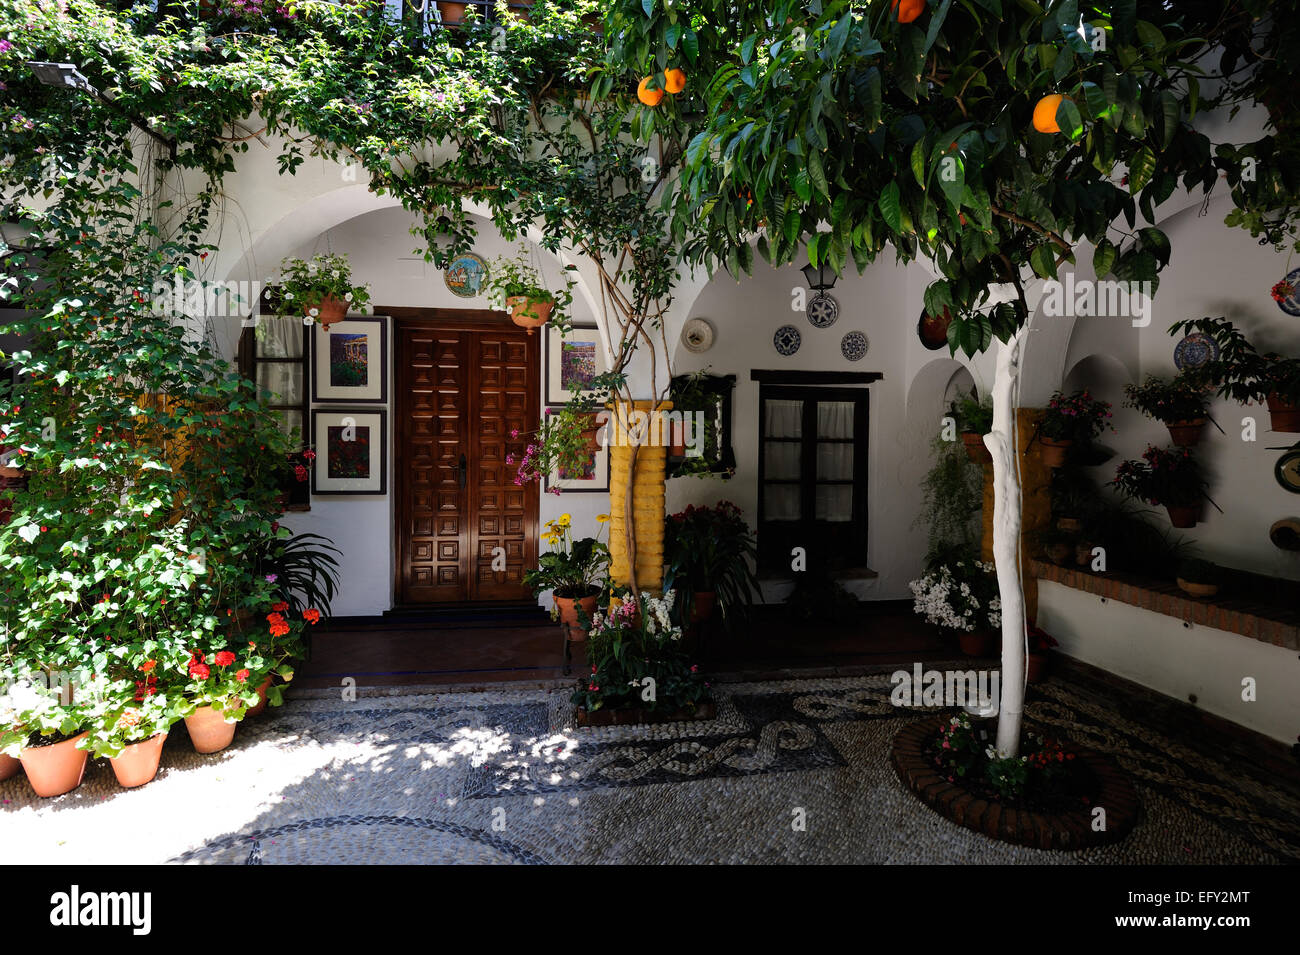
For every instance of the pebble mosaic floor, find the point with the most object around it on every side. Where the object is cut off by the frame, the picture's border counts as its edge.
(791, 771)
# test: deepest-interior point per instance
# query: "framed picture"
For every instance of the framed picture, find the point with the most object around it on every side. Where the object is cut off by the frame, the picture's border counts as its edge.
(466, 275)
(572, 361)
(351, 451)
(350, 361)
(592, 476)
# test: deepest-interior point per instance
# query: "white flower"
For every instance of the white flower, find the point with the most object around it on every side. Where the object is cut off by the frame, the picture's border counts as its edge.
(313, 312)
(289, 296)
(348, 297)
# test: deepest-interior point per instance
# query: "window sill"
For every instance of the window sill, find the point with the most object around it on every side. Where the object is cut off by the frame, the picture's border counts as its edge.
(1263, 622)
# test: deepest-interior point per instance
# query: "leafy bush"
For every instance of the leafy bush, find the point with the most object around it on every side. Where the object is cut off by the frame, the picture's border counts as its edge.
(711, 549)
(1168, 400)
(1169, 477)
(1077, 417)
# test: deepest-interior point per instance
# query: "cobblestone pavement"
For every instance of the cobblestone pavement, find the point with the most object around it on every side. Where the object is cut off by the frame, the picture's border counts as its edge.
(504, 777)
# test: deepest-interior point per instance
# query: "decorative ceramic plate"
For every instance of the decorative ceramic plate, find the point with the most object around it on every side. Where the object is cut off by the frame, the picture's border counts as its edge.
(854, 345)
(1291, 304)
(1195, 350)
(697, 335)
(822, 310)
(466, 275)
(787, 340)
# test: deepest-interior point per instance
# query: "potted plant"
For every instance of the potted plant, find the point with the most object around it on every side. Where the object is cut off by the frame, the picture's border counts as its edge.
(639, 669)
(296, 482)
(219, 693)
(1199, 578)
(563, 441)
(519, 284)
(974, 419)
(451, 14)
(1039, 660)
(132, 732)
(962, 597)
(1178, 403)
(710, 554)
(48, 733)
(320, 288)
(1169, 477)
(1243, 374)
(1070, 418)
(573, 570)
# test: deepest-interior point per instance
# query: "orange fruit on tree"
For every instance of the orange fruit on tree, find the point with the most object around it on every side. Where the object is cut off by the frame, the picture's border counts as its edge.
(675, 80)
(648, 96)
(1045, 114)
(908, 10)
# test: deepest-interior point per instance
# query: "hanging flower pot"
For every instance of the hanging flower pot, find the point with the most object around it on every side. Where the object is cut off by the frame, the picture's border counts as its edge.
(260, 707)
(976, 643)
(591, 431)
(55, 769)
(1186, 434)
(138, 763)
(1054, 451)
(209, 731)
(1285, 415)
(329, 311)
(568, 608)
(10, 766)
(1183, 516)
(529, 313)
(677, 440)
(976, 449)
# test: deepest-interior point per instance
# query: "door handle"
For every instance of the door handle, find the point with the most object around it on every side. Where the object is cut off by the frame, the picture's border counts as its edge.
(464, 469)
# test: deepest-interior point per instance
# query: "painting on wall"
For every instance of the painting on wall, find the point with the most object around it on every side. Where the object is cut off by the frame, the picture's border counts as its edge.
(351, 451)
(592, 474)
(350, 361)
(572, 363)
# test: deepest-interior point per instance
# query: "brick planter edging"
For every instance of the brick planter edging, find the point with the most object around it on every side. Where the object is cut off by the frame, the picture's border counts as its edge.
(1069, 831)
(632, 716)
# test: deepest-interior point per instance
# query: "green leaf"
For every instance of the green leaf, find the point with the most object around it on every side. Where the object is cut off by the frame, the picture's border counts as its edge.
(817, 173)
(1140, 170)
(1068, 118)
(747, 48)
(891, 206)
(673, 34)
(1043, 261)
(1103, 257)
(691, 45)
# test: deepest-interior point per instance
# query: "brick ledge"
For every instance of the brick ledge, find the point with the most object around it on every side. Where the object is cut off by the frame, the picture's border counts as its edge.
(1262, 622)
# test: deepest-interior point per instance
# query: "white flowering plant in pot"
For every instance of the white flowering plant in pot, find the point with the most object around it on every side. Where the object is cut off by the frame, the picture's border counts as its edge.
(319, 288)
(961, 596)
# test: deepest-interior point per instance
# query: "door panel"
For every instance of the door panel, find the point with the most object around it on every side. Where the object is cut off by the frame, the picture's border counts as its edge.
(462, 388)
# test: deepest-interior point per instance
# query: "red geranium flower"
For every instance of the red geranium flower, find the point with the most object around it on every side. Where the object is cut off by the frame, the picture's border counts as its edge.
(311, 615)
(281, 607)
(148, 665)
(241, 676)
(224, 658)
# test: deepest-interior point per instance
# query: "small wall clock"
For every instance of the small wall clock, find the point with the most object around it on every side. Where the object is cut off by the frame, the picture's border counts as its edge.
(1287, 469)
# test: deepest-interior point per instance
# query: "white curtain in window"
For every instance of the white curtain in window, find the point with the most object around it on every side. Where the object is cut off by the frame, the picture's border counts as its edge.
(781, 460)
(834, 458)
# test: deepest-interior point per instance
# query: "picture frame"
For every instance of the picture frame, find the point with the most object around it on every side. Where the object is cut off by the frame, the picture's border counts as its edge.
(349, 361)
(350, 465)
(597, 481)
(570, 358)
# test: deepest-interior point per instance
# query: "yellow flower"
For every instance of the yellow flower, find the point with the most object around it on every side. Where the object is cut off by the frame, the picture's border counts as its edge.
(564, 520)
(602, 518)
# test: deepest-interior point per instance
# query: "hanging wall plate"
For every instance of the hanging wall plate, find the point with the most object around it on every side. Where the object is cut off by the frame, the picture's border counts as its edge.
(466, 275)
(1195, 350)
(697, 335)
(1287, 470)
(1291, 303)
(854, 345)
(787, 340)
(822, 310)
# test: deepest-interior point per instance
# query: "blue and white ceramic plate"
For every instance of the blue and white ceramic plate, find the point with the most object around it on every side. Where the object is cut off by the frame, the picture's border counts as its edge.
(854, 345)
(823, 310)
(1195, 350)
(466, 275)
(1291, 304)
(787, 340)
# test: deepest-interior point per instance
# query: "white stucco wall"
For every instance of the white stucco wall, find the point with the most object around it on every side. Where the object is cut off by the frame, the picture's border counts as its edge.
(1159, 652)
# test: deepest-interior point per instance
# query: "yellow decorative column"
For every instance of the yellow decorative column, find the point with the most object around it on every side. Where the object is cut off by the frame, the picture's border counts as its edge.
(1035, 501)
(647, 502)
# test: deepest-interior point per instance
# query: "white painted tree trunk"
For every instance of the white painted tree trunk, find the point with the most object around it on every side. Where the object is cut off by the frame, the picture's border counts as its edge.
(1001, 442)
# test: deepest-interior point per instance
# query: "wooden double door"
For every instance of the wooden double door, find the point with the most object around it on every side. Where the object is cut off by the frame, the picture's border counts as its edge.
(465, 381)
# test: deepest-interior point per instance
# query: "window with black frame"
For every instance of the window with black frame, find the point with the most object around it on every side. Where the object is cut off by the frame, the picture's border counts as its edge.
(812, 476)
(709, 396)
(273, 354)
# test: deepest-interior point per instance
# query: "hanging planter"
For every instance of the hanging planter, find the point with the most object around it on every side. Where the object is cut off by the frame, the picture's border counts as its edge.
(1186, 434)
(1168, 477)
(1284, 415)
(1070, 418)
(57, 768)
(518, 281)
(1183, 515)
(319, 288)
(1177, 402)
(138, 763)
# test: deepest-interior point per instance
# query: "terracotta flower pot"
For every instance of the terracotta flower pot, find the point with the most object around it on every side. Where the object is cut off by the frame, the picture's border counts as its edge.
(9, 767)
(1183, 516)
(975, 447)
(1197, 589)
(138, 763)
(209, 731)
(591, 431)
(260, 708)
(1037, 663)
(706, 601)
(1083, 554)
(1071, 524)
(976, 643)
(55, 770)
(453, 14)
(1186, 434)
(1285, 415)
(329, 311)
(568, 607)
(529, 313)
(1054, 451)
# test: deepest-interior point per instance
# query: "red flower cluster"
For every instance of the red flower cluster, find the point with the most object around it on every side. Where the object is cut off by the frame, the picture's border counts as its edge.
(242, 676)
(197, 668)
(311, 615)
(224, 658)
(281, 607)
(278, 626)
(1282, 291)
(147, 687)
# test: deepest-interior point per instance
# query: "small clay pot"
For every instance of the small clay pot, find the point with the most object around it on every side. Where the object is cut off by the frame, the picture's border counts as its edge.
(976, 643)
(705, 602)
(260, 707)
(1183, 516)
(1053, 451)
(529, 313)
(1186, 434)
(209, 731)
(1284, 415)
(568, 607)
(57, 769)
(1197, 589)
(1037, 663)
(330, 310)
(10, 766)
(138, 763)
